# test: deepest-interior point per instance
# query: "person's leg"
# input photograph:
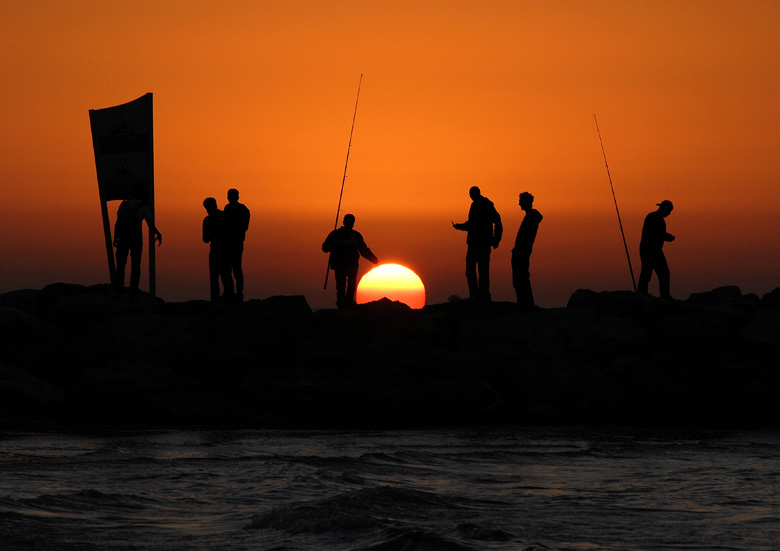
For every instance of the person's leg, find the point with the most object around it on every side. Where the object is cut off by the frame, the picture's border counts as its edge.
(471, 272)
(215, 269)
(662, 271)
(521, 279)
(225, 264)
(341, 288)
(121, 262)
(352, 285)
(238, 270)
(483, 266)
(136, 252)
(645, 274)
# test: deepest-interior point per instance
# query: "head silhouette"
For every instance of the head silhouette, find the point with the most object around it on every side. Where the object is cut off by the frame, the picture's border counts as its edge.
(474, 193)
(526, 200)
(232, 195)
(665, 208)
(349, 220)
(210, 204)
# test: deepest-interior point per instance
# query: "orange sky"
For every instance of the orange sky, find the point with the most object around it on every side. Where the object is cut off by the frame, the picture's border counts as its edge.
(259, 96)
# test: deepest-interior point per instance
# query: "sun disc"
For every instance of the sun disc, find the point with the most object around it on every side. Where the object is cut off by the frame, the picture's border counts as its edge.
(394, 282)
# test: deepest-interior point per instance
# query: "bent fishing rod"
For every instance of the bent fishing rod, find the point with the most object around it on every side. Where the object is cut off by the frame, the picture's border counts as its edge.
(620, 223)
(344, 178)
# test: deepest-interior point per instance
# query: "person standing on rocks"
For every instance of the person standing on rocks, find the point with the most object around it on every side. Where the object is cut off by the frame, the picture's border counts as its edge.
(129, 238)
(346, 246)
(651, 250)
(214, 233)
(521, 254)
(484, 233)
(237, 223)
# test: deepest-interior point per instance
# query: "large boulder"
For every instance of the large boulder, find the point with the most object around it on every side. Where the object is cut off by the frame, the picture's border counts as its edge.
(23, 299)
(771, 299)
(79, 311)
(23, 394)
(140, 391)
(728, 296)
(436, 402)
(23, 337)
(762, 333)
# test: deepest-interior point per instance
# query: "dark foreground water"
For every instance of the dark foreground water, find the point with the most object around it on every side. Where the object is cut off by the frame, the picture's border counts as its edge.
(433, 490)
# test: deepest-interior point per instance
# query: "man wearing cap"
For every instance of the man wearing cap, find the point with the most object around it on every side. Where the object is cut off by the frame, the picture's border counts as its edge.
(651, 250)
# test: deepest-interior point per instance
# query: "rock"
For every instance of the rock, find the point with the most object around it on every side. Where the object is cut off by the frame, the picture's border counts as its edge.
(436, 402)
(24, 337)
(771, 299)
(295, 305)
(763, 332)
(23, 394)
(79, 311)
(303, 395)
(602, 336)
(724, 297)
(140, 391)
(24, 299)
(607, 358)
(621, 303)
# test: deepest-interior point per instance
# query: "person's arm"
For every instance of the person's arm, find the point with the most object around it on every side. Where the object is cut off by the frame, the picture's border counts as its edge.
(368, 255)
(498, 231)
(327, 245)
(206, 231)
(146, 214)
(119, 213)
(365, 252)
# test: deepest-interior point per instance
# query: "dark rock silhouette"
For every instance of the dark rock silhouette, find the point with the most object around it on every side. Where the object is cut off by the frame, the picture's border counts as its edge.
(87, 354)
(23, 394)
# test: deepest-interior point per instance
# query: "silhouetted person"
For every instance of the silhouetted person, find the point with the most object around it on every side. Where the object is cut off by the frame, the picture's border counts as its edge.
(521, 254)
(346, 246)
(484, 232)
(237, 217)
(214, 233)
(129, 237)
(651, 250)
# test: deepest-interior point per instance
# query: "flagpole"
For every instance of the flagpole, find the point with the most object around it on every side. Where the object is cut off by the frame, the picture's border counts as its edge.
(620, 223)
(344, 178)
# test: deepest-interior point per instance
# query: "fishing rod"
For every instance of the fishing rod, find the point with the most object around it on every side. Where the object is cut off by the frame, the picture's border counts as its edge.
(620, 223)
(344, 178)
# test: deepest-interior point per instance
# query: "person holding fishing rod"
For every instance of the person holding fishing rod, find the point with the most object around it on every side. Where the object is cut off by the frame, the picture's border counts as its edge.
(346, 246)
(651, 250)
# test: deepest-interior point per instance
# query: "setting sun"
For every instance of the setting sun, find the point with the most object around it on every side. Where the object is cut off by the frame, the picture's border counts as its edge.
(392, 281)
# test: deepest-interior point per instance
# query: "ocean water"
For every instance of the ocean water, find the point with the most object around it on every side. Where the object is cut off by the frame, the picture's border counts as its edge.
(526, 488)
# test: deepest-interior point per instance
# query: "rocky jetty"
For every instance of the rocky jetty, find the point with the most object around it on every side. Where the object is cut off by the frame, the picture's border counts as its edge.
(74, 355)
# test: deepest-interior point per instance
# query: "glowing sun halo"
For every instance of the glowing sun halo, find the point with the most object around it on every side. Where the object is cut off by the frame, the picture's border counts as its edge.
(394, 282)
